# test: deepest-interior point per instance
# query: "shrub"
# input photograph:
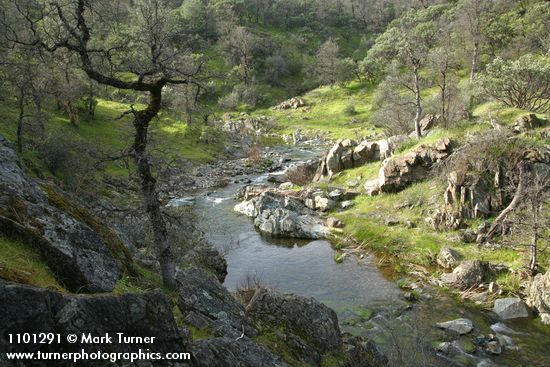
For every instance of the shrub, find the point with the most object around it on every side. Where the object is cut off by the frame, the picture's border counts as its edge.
(350, 109)
(523, 83)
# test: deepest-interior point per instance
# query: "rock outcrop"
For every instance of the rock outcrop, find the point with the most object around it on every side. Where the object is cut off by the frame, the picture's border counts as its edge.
(309, 330)
(346, 154)
(201, 293)
(399, 172)
(253, 126)
(539, 296)
(145, 315)
(209, 258)
(306, 317)
(291, 104)
(281, 216)
(84, 254)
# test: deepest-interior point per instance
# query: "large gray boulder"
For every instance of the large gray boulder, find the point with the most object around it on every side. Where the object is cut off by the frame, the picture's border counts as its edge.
(39, 310)
(82, 258)
(539, 296)
(281, 216)
(469, 273)
(460, 326)
(306, 318)
(202, 293)
(228, 352)
(510, 308)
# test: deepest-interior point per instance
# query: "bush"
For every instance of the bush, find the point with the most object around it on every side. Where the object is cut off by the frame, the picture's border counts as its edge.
(350, 109)
(523, 83)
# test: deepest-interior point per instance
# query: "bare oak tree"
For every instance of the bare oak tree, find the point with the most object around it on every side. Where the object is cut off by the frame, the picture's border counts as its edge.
(124, 45)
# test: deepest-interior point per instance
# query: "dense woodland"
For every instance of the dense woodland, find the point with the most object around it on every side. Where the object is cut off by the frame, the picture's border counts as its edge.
(96, 94)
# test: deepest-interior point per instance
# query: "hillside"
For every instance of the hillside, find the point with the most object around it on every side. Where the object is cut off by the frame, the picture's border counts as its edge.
(278, 183)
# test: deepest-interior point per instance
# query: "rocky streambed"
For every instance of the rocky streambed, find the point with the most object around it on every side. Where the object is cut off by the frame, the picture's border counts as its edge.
(367, 299)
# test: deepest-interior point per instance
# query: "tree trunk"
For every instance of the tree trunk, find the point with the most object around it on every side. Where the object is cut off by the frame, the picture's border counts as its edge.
(417, 103)
(473, 70)
(536, 208)
(20, 120)
(518, 196)
(149, 190)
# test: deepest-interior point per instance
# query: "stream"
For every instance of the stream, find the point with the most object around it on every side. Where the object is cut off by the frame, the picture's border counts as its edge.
(367, 300)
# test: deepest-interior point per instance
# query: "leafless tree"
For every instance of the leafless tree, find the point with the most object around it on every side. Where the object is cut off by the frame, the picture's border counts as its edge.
(529, 221)
(125, 46)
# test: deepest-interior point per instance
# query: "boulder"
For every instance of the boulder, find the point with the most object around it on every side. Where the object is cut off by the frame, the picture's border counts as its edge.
(323, 203)
(291, 104)
(302, 173)
(347, 204)
(366, 152)
(362, 352)
(467, 235)
(303, 317)
(278, 215)
(372, 187)
(510, 308)
(337, 195)
(460, 326)
(227, 352)
(335, 223)
(286, 186)
(399, 172)
(538, 296)
(469, 273)
(448, 258)
(146, 314)
(200, 292)
(428, 122)
(85, 254)
(347, 154)
(209, 258)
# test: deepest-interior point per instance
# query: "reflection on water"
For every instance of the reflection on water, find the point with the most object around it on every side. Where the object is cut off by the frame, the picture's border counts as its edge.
(351, 288)
(305, 268)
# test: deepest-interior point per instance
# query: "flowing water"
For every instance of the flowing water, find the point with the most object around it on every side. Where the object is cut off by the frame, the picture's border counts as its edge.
(356, 288)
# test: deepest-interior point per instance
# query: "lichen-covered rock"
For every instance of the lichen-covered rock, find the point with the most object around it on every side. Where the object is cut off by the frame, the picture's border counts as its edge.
(80, 250)
(362, 352)
(200, 292)
(539, 296)
(209, 258)
(140, 315)
(304, 317)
